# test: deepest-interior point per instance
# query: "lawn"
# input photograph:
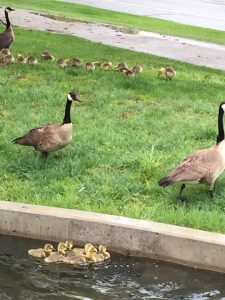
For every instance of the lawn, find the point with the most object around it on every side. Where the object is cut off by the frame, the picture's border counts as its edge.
(128, 133)
(88, 13)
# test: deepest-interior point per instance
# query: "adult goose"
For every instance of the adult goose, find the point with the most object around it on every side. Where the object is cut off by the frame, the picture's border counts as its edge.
(7, 36)
(203, 166)
(51, 137)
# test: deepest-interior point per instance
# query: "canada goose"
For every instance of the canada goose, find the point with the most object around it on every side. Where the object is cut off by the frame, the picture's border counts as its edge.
(9, 59)
(41, 252)
(102, 249)
(62, 62)
(74, 62)
(169, 72)
(21, 59)
(7, 36)
(137, 69)
(47, 57)
(203, 166)
(90, 66)
(5, 51)
(31, 60)
(106, 65)
(50, 137)
(57, 256)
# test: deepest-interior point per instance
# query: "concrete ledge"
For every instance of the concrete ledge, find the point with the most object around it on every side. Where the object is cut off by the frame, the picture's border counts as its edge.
(182, 245)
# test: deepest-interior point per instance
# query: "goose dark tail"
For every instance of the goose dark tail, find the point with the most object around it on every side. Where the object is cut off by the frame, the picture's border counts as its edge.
(18, 140)
(165, 181)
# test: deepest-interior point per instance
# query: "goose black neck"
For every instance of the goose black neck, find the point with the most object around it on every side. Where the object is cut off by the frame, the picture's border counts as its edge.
(67, 118)
(220, 136)
(8, 24)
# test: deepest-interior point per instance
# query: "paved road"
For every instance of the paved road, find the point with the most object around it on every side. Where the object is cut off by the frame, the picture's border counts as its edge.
(204, 13)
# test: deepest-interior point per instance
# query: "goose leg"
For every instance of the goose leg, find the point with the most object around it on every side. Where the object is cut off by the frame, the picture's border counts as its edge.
(44, 155)
(180, 197)
(211, 192)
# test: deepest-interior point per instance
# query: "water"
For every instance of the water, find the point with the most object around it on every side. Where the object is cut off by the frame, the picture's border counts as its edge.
(25, 278)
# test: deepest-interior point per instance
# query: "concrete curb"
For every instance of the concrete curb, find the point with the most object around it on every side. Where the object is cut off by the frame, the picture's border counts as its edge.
(181, 245)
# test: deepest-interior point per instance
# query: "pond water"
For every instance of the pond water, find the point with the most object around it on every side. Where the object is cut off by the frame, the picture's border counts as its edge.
(25, 278)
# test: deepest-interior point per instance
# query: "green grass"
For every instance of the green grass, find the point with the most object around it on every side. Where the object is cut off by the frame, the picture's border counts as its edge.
(88, 13)
(128, 133)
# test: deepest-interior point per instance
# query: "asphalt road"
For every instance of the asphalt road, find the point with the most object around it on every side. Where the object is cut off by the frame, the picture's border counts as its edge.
(204, 13)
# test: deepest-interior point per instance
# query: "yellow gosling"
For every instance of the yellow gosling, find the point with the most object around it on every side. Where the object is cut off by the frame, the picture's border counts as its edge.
(41, 252)
(91, 254)
(57, 256)
(102, 249)
(75, 260)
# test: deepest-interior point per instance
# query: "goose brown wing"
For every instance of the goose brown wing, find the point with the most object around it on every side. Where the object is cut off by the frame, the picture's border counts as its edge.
(38, 136)
(194, 167)
(6, 38)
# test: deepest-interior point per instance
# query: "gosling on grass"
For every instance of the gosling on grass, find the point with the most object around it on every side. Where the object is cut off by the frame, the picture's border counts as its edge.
(74, 62)
(21, 59)
(106, 65)
(137, 69)
(121, 65)
(51, 137)
(57, 256)
(47, 56)
(62, 63)
(168, 72)
(31, 60)
(9, 59)
(41, 252)
(5, 51)
(89, 66)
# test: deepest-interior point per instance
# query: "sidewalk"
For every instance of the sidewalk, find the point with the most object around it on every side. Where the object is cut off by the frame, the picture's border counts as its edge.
(191, 51)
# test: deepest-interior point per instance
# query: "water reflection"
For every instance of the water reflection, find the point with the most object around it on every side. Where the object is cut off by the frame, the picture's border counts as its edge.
(25, 278)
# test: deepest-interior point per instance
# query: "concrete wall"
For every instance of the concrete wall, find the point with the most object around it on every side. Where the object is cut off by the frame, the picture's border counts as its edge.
(129, 236)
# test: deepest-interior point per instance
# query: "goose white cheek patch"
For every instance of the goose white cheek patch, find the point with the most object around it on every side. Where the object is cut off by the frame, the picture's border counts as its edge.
(223, 107)
(69, 97)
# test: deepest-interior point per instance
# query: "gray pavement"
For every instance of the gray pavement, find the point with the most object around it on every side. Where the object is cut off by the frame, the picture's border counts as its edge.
(204, 13)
